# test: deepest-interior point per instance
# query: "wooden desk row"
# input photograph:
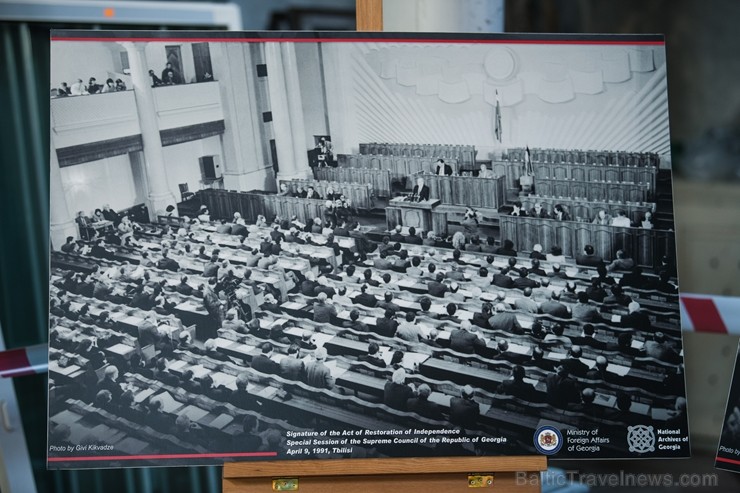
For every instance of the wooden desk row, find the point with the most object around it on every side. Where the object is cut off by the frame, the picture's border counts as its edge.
(647, 246)
(400, 167)
(379, 179)
(223, 203)
(360, 194)
(466, 190)
(593, 191)
(463, 153)
(588, 211)
(601, 158)
(593, 173)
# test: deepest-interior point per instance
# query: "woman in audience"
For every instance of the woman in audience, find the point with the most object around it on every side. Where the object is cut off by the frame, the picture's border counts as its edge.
(458, 241)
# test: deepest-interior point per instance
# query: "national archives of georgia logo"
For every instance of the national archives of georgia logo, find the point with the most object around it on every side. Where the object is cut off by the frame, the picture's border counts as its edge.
(641, 439)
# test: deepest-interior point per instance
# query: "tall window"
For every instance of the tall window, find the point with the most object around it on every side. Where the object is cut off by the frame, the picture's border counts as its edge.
(125, 67)
(202, 62)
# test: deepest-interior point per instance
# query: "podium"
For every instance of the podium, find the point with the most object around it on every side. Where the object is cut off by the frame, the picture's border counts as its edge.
(441, 474)
(410, 214)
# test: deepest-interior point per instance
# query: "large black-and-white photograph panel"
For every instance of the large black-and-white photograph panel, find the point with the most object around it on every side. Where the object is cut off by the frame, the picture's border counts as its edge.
(728, 451)
(314, 247)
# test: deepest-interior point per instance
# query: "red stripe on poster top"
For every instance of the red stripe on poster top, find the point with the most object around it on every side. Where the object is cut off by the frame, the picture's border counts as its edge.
(364, 40)
(160, 456)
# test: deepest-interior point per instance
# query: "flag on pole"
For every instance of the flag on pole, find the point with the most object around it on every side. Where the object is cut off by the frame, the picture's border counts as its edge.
(527, 162)
(498, 129)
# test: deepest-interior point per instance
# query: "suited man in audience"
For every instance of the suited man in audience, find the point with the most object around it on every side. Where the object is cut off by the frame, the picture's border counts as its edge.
(504, 320)
(415, 270)
(387, 303)
(110, 382)
(323, 312)
(387, 324)
(241, 398)
(464, 411)
(489, 246)
(617, 297)
(412, 237)
(537, 253)
(517, 210)
(502, 280)
(561, 388)
(232, 322)
(437, 288)
(523, 281)
(583, 311)
(291, 366)
(573, 362)
(602, 218)
(317, 373)
(621, 262)
(664, 285)
(442, 168)
(481, 318)
(600, 373)
(539, 211)
(556, 334)
(588, 338)
(365, 298)
(516, 386)
(588, 257)
(465, 339)
(167, 263)
(382, 262)
(595, 292)
(507, 249)
(263, 362)
(526, 304)
(660, 349)
(372, 357)
(554, 307)
(485, 172)
(635, 278)
(636, 318)
(420, 191)
(396, 393)
(69, 246)
(421, 405)
(395, 237)
(210, 349)
(354, 321)
(559, 213)
(621, 220)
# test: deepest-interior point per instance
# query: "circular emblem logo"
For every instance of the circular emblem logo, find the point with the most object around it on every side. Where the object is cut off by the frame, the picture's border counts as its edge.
(548, 440)
(641, 439)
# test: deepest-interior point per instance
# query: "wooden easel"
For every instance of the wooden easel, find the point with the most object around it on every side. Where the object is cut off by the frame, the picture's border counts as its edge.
(439, 474)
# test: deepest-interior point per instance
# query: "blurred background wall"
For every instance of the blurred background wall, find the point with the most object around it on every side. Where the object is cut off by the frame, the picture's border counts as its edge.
(703, 69)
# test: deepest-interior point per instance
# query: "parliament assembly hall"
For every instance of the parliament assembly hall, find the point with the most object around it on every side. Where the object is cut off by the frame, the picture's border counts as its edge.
(359, 248)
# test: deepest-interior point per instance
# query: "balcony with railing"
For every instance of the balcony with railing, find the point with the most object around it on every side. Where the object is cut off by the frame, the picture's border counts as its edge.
(89, 127)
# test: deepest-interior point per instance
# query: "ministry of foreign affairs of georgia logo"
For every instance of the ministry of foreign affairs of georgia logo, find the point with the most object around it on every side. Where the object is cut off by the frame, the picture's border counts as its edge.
(641, 439)
(548, 440)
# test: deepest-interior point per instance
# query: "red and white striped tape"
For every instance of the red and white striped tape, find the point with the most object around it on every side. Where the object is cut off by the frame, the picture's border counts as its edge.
(704, 313)
(24, 361)
(699, 313)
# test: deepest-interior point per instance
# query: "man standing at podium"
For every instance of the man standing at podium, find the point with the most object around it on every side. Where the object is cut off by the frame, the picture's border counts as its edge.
(420, 191)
